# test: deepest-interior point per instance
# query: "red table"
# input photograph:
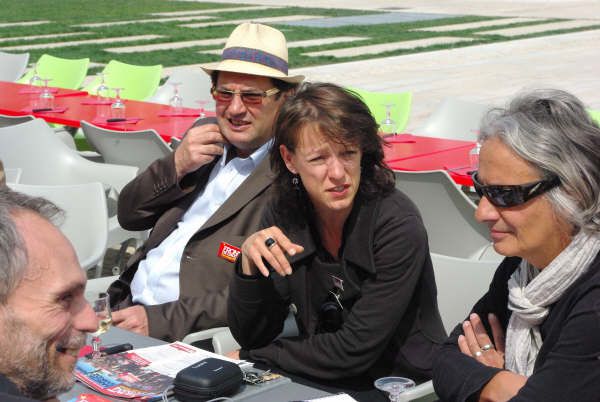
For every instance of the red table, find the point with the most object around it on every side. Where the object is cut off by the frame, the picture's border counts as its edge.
(415, 153)
(15, 103)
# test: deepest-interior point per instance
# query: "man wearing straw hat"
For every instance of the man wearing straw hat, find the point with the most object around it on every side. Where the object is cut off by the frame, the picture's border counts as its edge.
(202, 201)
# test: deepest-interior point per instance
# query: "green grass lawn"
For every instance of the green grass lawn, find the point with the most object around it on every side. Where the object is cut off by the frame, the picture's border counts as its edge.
(66, 14)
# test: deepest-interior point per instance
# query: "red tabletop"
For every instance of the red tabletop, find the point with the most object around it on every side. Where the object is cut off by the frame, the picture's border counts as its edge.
(151, 115)
(416, 153)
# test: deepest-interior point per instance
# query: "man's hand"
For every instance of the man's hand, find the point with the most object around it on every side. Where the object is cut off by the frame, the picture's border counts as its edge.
(133, 319)
(199, 146)
(234, 354)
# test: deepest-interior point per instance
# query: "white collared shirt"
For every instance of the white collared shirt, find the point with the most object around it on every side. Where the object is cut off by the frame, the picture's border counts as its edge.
(157, 278)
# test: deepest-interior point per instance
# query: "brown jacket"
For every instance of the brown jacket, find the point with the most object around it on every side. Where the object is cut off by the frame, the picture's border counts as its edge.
(155, 200)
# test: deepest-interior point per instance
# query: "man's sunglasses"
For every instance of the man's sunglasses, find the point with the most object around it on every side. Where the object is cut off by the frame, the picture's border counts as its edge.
(513, 195)
(249, 98)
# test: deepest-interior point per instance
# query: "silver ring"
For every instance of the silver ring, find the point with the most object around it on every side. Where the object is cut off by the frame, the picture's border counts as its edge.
(270, 242)
(478, 353)
(487, 347)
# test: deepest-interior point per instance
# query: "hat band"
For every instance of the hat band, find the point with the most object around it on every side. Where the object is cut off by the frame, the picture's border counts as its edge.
(255, 56)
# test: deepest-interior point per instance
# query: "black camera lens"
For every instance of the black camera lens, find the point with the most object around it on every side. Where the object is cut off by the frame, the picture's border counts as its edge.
(330, 317)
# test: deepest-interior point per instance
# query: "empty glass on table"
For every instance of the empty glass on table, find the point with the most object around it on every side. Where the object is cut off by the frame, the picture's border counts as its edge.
(118, 106)
(387, 125)
(393, 387)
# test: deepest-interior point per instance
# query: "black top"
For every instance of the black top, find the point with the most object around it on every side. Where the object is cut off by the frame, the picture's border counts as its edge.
(391, 324)
(10, 393)
(567, 367)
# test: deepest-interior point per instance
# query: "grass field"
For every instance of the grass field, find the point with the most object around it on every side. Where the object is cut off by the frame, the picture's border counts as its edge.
(64, 16)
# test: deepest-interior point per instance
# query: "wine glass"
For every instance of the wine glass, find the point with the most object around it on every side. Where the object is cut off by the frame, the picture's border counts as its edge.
(35, 78)
(202, 104)
(102, 89)
(176, 101)
(393, 387)
(46, 97)
(101, 307)
(118, 106)
(388, 126)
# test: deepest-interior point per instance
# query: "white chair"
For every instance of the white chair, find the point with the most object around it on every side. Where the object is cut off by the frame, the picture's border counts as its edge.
(134, 148)
(448, 215)
(223, 341)
(195, 86)
(6, 120)
(454, 119)
(44, 159)
(12, 66)
(473, 279)
(63, 134)
(12, 175)
(85, 223)
(96, 286)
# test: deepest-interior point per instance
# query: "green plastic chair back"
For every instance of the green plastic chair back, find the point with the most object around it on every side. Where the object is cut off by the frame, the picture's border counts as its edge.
(595, 115)
(377, 101)
(138, 82)
(63, 73)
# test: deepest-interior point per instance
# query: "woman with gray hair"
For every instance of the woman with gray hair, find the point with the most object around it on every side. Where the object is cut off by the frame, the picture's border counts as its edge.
(535, 335)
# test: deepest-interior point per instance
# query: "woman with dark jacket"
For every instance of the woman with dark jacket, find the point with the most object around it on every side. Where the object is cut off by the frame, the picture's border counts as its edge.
(343, 246)
(535, 335)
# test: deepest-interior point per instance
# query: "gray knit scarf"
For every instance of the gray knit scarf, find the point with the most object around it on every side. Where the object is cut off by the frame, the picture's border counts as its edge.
(530, 292)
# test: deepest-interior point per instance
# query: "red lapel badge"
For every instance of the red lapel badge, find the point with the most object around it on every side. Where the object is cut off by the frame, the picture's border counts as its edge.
(228, 252)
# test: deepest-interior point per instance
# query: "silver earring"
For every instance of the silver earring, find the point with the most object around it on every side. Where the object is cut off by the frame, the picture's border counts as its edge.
(296, 182)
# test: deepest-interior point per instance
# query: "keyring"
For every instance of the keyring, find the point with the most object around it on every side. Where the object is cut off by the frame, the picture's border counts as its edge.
(270, 242)
(487, 347)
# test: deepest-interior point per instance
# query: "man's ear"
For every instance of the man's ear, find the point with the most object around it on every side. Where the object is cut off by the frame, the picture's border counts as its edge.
(287, 155)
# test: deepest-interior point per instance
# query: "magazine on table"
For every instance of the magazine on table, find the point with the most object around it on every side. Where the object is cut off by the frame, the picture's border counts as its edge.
(142, 374)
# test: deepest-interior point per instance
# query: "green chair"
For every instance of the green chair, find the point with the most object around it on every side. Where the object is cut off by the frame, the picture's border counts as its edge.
(595, 115)
(138, 82)
(376, 101)
(63, 73)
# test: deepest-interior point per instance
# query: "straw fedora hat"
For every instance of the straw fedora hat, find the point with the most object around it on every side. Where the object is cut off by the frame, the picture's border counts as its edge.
(255, 49)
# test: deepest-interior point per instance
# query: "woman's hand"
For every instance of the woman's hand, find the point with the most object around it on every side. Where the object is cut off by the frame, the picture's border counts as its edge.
(476, 343)
(269, 245)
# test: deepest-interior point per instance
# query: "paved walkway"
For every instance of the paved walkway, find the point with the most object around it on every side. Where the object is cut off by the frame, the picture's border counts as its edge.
(489, 73)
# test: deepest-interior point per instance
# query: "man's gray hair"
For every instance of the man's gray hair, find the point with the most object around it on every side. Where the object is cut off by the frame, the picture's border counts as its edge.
(552, 130)
(13, 253)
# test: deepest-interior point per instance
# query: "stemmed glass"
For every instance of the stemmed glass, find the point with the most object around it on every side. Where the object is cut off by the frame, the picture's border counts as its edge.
(102, 89)
(35, 78)
(202, 103)
(393, 387)
(46, 97)
(118, 106)
(176, 101)
(388, 126)
(101, 307)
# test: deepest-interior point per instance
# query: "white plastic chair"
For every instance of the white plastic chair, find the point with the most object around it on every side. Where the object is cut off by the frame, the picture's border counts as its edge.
(44, 159)
(195, 86)
(12, 66)
(85, 223)
(12, 175)
(134, 148)
(64, 136)
(6, 120)
(473, 279)
(454, 119)
(96, 286)
(448, 215)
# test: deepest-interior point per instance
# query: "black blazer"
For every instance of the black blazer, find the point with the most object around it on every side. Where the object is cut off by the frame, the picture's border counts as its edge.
(391, 322)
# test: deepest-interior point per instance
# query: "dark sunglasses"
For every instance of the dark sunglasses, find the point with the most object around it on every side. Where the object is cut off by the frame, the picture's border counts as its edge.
(249, 98)
(513, 195)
